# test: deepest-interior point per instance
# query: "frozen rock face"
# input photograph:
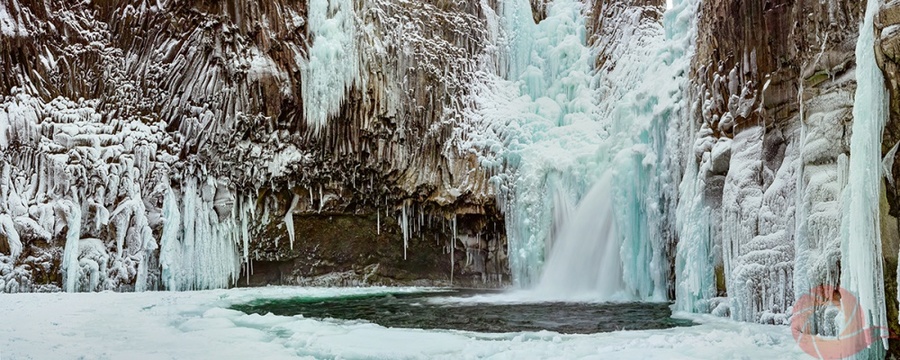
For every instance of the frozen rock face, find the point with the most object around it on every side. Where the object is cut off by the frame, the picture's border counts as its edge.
(176, 144)
(887, 40)
(773, 97)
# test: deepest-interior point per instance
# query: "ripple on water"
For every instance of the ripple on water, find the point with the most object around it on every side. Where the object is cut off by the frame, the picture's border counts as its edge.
(453, 310)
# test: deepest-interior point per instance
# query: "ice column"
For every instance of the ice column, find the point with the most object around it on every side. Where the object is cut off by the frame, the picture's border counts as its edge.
(71, 212)
(861, 258)
(170, 254)
(694, 266)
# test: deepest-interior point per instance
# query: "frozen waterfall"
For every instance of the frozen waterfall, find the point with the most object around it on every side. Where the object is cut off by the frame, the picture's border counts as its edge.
(594, 124)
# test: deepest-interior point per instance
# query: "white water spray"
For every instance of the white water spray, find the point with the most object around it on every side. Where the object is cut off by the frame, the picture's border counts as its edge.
(585, 260)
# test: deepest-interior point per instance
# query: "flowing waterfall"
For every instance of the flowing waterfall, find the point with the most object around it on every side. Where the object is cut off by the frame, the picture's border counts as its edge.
(585, 261)
(544, 109)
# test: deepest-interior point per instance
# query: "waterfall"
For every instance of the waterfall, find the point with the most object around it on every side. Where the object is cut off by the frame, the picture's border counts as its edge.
(591, 124)
(544, 108)
(585, 261)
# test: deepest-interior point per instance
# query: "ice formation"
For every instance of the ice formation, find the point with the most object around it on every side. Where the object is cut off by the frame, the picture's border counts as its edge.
(333, 65)
(542, 112)
(522, 96)
(178, 152)
(567, 111)
(861, 256)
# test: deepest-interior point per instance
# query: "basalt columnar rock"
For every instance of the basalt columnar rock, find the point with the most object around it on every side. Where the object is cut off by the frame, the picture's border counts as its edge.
(773, 93)
(775, 85)
(141, 140)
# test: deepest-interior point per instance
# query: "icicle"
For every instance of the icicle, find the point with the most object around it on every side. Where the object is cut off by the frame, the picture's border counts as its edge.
(421, 220)
(378, 221)
(197, 250)
(72, 214)
(801, 242)
(289, 219)
(245, 229)
(887, 164)
(452, 248)
(404, 223)
(189, 223)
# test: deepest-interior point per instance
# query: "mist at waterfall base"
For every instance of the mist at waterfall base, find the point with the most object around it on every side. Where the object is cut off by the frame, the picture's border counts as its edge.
(584, 263)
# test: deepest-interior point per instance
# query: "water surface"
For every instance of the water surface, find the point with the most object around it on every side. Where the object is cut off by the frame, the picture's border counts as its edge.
(438, 310)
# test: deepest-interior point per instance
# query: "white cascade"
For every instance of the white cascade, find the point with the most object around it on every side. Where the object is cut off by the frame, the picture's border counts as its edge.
(585, 261)
(543, 109)
(333, 64)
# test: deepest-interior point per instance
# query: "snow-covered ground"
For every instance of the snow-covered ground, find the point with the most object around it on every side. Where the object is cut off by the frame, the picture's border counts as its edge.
(199, 325)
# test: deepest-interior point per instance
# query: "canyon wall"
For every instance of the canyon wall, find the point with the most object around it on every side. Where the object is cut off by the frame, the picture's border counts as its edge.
(180, 144)
(200, 144)
(772, 93)
(775, 96)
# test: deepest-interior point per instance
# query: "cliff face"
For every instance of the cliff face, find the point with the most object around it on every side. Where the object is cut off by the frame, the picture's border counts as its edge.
(141, 141)
(144, 142)
(773, 86)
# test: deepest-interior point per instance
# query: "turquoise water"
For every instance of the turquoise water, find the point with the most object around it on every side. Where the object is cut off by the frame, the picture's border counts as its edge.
(450, 310)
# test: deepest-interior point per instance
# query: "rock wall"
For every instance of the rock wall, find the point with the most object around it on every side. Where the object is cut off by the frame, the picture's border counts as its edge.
(773, 94)
(137, 136)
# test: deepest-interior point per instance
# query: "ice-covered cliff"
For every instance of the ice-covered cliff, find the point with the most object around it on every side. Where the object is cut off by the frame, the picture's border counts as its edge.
(796, 174)
(177, 144)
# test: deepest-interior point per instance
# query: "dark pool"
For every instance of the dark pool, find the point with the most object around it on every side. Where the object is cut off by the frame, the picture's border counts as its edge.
(438, 310)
